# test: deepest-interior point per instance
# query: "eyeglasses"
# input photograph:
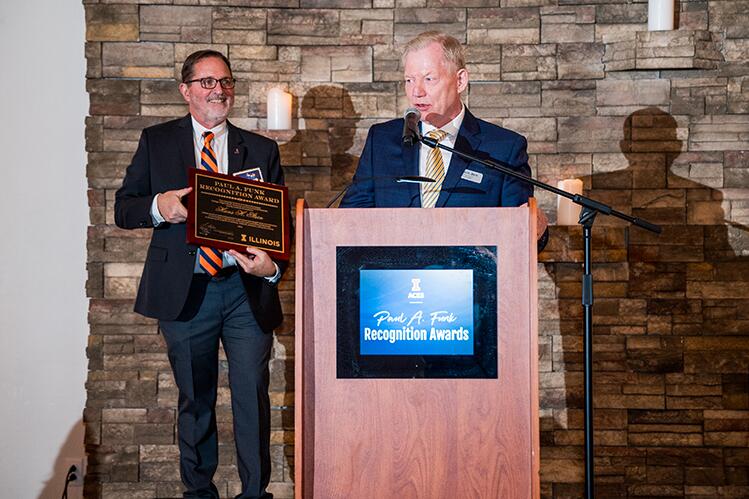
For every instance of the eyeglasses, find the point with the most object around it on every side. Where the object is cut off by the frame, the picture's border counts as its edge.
(210, 82)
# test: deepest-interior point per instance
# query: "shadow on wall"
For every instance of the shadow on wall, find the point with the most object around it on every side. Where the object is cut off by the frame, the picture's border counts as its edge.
(316, 165)
(330, 127)
(72, 448)
(667, 311)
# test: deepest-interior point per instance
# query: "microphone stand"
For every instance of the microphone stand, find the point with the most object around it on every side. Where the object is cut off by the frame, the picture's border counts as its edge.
(590, 208)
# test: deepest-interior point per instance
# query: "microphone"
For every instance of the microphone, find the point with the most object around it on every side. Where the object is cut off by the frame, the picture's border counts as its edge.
(413, 179)
(411, 133)
(405, 179)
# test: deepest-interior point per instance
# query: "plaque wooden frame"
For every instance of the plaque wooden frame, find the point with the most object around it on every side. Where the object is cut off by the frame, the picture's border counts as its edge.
(283, 239)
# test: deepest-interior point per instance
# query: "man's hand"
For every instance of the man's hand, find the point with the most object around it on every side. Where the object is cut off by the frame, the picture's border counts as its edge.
(255, 262)
(170, 205)
(541, 223)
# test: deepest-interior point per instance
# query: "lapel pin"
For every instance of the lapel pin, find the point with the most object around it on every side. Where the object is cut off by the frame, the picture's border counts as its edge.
(236, 150)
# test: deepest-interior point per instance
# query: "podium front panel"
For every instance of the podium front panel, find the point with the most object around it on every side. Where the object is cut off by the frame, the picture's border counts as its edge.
(418, 436)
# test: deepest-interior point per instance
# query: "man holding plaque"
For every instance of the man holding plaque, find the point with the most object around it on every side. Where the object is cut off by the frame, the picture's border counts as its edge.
(435, 75)
(201, 295)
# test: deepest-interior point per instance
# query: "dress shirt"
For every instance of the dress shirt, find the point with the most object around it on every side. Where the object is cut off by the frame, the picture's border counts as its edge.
(451, 129)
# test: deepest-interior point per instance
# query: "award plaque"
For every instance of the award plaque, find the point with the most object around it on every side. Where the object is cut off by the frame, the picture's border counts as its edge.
(229, 212)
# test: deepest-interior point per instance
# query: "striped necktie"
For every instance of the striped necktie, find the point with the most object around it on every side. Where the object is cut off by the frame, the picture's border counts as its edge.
(210, 259)
(435, 170)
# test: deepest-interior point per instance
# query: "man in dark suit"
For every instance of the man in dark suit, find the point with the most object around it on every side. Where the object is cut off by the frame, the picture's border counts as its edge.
(435, 76)
(202, 296)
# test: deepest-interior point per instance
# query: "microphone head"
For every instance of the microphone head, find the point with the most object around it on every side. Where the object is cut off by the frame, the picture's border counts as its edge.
(411, 133)
(412, 110)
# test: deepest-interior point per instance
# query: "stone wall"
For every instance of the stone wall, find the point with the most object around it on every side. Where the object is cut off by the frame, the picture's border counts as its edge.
(656, 124)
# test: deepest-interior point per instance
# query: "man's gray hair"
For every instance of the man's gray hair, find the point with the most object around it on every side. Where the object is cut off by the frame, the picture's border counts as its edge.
(451, 47)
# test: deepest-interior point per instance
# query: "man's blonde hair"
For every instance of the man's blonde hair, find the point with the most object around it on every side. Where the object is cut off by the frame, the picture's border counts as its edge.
(451, 47)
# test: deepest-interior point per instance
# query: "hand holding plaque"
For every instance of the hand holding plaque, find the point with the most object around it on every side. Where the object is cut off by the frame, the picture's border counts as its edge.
(230, 212)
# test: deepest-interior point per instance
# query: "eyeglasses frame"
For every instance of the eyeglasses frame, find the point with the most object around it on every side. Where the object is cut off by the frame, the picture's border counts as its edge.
(231, 82)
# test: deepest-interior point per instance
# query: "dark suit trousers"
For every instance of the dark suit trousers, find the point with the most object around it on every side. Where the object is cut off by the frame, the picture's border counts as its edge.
(223, 315)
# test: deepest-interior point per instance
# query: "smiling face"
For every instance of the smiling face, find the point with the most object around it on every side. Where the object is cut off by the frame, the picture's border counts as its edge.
(209, 107)
(433, 85)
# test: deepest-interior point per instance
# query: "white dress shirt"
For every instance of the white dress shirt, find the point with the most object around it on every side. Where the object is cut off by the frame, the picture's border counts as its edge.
(451, 129)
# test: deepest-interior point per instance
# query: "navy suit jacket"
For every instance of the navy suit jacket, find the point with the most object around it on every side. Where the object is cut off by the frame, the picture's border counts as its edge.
(164, 154)
(385, 157)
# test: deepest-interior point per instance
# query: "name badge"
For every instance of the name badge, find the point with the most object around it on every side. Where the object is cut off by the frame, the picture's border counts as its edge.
(251, 174)
(472, 176)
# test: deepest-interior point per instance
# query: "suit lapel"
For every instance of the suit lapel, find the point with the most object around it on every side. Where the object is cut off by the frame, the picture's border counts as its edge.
(468, 141)
(237, 150)
(186, 145)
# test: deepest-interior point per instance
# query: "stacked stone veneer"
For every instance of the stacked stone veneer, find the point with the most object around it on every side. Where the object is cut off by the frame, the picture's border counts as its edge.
(656, 124)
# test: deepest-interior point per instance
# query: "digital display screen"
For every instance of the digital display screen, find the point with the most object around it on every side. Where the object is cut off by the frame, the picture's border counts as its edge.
(416, 312)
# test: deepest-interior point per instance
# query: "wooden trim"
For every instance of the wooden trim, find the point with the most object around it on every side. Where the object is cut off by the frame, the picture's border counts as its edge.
(299, 449)
(533, 351)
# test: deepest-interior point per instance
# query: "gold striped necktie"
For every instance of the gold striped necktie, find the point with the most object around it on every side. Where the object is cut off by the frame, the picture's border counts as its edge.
(210, 259)
(435, 170)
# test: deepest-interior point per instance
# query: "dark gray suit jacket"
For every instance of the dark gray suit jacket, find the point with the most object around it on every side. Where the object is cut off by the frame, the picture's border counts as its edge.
(164, 154)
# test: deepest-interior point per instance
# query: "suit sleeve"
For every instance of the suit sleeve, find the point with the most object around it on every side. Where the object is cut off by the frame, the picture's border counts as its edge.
(360, 193)
(514, 191)
(276, 176)
(132, 202)
(275, 173)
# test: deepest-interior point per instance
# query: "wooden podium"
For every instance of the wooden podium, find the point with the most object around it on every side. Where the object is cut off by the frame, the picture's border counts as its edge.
(416, 438)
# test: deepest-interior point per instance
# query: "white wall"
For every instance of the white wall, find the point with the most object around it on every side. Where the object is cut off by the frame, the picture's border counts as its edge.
(43, 219)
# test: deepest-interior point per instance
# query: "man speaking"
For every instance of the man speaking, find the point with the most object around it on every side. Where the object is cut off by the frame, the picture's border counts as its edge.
(435, 76)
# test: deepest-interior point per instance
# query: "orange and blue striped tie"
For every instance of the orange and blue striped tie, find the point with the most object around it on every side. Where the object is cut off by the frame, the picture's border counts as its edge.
(210, 259)
(435, 170)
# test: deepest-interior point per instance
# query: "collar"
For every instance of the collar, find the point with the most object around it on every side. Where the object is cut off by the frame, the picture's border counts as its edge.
(218, 131)
(451, 128)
